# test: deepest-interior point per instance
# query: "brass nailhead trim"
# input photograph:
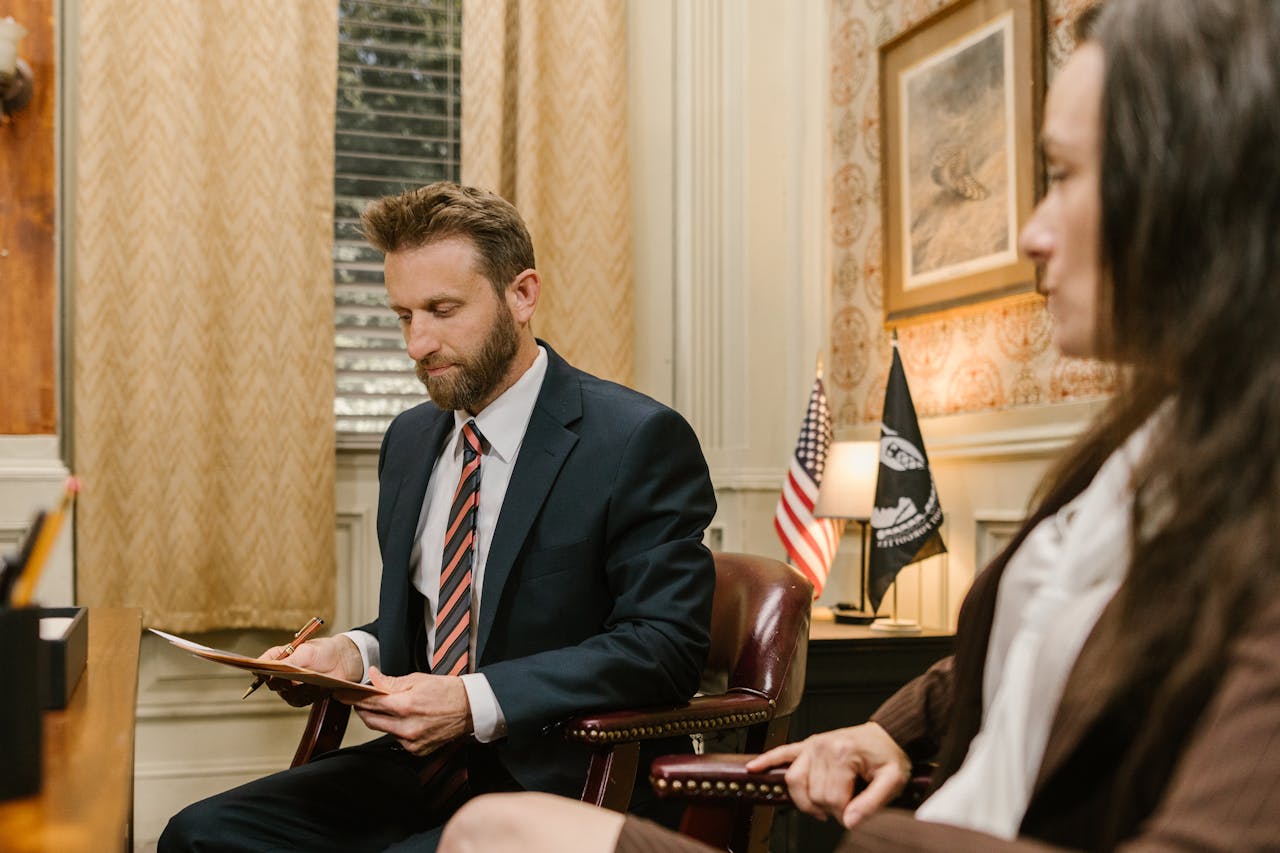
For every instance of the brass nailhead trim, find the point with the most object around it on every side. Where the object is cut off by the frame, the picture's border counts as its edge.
(721, 789)
(672, 727)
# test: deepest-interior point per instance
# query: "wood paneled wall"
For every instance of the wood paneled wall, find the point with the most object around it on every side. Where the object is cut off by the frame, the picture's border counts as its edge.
(28, 283)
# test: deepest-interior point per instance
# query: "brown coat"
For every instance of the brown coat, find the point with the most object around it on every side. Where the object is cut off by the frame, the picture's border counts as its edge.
(1224, 794)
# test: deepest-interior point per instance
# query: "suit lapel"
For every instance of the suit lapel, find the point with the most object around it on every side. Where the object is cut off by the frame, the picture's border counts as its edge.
(397, 594)
(547, 443)
(412, 488)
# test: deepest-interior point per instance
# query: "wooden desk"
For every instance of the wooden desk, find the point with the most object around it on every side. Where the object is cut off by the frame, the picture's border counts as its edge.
(851, 671)
(86, 801)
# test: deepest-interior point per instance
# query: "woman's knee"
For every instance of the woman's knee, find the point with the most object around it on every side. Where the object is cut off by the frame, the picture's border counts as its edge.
(491, 822)
(528, 823)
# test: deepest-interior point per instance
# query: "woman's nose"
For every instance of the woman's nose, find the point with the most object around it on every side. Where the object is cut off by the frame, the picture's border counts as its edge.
(1035, 242)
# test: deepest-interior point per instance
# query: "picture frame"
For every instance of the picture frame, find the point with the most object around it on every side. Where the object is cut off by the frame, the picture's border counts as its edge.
(960, 103)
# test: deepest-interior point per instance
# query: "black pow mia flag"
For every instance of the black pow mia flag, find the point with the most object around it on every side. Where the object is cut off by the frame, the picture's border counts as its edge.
(907, 515)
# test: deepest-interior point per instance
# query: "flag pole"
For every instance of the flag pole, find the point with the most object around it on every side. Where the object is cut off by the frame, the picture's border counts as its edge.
(894, 625)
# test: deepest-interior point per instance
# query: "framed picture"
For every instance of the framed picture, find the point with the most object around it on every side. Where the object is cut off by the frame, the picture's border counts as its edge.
(960, 98)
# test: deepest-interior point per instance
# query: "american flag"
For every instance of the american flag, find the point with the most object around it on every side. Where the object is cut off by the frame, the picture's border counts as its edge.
(810, 542)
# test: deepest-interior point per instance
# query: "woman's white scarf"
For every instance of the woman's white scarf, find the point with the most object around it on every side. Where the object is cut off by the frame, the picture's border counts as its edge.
(1051, 594)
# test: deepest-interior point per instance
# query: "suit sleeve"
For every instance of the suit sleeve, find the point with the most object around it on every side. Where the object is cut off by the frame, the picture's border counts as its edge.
(661, 580)
(1224, 794)
(916, 716)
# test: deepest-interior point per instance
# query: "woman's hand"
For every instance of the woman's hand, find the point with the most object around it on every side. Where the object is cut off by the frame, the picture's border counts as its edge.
(824, 767)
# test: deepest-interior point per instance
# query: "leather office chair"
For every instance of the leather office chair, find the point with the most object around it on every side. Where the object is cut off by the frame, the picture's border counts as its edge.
(759, 640)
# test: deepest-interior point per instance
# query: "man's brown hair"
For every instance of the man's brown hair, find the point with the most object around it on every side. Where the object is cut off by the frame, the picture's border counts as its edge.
(438, 211)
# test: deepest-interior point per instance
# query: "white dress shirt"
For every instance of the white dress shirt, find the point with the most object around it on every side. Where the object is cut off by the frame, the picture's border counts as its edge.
(502, 423)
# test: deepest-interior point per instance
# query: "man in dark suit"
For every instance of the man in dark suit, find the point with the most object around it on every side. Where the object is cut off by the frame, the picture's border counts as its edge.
(541, 541)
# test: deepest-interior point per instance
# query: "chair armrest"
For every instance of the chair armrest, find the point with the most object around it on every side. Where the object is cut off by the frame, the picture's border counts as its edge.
(701, 714)
(326, 724)
(718, 776)
(724, 777)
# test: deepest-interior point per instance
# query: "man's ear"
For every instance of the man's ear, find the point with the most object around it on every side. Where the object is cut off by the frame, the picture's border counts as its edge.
(522, 295)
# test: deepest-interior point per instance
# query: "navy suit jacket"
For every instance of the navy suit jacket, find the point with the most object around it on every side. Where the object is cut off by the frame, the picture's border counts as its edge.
(597, 587)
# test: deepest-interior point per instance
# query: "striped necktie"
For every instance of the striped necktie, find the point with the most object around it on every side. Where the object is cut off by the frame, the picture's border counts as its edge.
(453, 611)
(445, 770)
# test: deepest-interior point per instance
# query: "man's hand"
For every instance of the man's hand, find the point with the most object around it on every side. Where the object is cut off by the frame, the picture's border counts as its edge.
(824, 766)
(421, 711)
(334, 656)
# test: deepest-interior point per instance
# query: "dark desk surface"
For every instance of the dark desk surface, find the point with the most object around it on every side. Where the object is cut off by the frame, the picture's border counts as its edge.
(86, 802)
(824, 630)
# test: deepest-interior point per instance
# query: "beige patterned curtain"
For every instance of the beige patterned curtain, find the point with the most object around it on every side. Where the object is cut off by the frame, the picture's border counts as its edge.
(544, 124)
(203, 331)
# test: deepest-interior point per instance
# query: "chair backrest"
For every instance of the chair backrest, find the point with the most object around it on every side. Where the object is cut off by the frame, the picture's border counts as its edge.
(760, 628)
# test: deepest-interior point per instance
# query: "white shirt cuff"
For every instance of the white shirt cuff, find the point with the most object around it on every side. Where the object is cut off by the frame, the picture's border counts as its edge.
(369, 653)
(486, 716)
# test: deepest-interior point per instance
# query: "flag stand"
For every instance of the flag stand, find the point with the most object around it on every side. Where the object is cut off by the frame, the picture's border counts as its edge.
(894, 625)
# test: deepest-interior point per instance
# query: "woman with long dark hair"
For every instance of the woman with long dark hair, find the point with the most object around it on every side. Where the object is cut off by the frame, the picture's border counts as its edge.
(1116, 683)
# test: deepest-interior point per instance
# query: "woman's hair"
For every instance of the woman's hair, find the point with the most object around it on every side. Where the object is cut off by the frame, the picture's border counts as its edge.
(1190, 185)
(1189, 303)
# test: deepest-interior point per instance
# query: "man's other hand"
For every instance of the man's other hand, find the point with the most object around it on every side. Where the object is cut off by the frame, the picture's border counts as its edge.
(421, 711)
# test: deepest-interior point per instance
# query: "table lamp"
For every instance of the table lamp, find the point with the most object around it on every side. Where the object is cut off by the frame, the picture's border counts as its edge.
(848, 491)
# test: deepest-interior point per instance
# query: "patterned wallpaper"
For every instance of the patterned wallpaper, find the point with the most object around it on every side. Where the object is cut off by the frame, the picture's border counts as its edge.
(995, 357)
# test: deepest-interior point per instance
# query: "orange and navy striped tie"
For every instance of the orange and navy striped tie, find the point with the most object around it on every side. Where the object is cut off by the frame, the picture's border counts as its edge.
(453, 613)
(445, 772)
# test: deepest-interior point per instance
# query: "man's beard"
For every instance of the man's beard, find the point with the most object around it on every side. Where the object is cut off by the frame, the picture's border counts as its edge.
(474, 378)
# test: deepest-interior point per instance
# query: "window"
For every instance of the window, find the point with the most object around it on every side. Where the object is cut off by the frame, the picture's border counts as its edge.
(398, 118)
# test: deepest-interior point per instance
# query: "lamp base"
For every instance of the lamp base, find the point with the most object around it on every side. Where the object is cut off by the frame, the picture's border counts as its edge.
(847, 614)
(896, 626)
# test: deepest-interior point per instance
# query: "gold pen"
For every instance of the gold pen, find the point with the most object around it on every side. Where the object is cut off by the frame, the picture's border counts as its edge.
(304, 634)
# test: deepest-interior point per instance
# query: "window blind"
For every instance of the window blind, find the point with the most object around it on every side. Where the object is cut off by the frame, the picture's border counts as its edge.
(398, 119)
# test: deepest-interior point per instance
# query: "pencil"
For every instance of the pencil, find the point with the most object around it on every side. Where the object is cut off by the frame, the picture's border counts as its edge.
(304, 634)
(26, 584)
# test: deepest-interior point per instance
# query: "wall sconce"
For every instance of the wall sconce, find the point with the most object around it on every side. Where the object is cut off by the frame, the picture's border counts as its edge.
(15, 75)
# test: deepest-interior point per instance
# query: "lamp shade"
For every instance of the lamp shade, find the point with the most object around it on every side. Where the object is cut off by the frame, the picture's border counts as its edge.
(848, 487)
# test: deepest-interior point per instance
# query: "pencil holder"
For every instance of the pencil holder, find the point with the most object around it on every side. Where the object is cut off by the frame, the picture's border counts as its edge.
(21, 743)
